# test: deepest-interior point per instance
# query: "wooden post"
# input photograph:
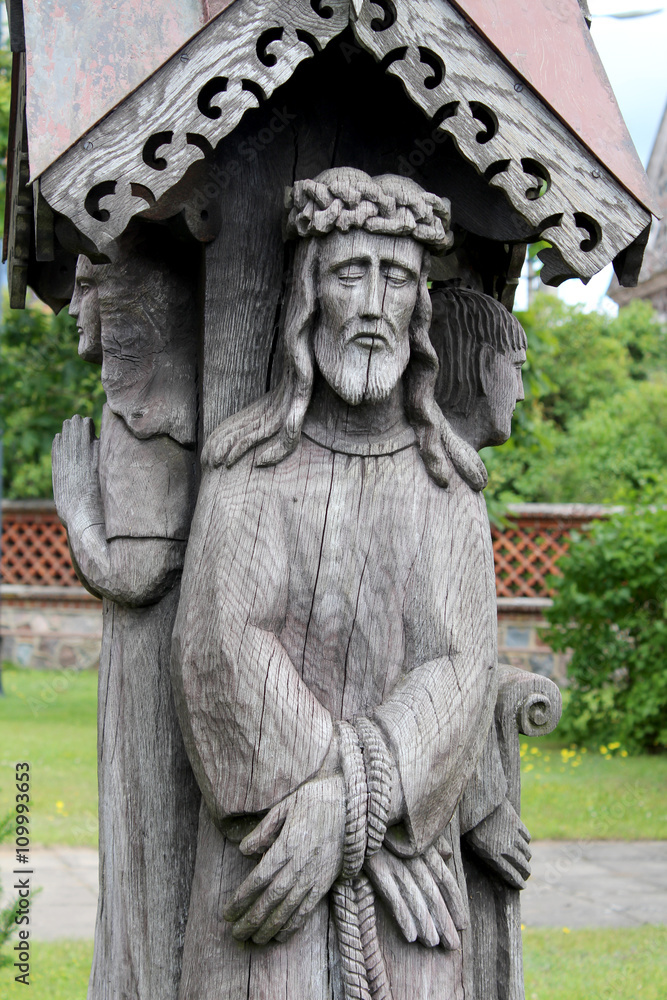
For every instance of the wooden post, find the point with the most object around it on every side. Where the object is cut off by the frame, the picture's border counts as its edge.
(320, 377)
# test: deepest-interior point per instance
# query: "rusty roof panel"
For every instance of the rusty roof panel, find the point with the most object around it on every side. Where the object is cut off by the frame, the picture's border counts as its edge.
(85, 56)
(549, 44)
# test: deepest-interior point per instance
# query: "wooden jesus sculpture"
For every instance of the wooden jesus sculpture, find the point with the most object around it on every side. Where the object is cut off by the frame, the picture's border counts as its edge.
(334, 653)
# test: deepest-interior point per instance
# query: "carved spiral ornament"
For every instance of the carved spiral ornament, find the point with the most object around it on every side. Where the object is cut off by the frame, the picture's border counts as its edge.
(538, 715)
(139, 152)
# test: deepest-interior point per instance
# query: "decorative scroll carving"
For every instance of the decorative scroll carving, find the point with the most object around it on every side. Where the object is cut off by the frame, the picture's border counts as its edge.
(575, 203)
(180, 114)
(497, 123)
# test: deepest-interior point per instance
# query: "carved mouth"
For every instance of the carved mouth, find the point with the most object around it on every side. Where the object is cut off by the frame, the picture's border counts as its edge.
(370, 340)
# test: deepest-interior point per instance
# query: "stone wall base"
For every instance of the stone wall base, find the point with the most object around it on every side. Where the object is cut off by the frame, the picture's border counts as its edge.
(56, 628)
(51, 628)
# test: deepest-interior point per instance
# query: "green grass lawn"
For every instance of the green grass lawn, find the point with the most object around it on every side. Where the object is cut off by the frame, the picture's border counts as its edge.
(619, 964)
(623, 964)
(59, 970)
(49, 719)
(569, 794)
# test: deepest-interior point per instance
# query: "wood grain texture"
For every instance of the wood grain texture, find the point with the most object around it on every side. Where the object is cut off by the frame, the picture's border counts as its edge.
(528, 704)
(339, 577)
(189, 105)
(502, 127)
(126, 501)
(18, 210)
(497, 122)
(481, 348)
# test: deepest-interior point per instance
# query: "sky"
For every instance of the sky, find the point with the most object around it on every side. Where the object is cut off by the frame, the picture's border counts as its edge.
(634, 54)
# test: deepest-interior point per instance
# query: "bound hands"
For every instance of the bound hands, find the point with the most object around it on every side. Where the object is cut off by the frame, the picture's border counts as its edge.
(303, 837)
(76, 487)
(502, 841)
(421, 893)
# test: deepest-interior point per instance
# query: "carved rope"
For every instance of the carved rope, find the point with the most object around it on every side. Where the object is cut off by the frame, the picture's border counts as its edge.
(363, 970)
(354, 772)
(378, 764)
(139, 152)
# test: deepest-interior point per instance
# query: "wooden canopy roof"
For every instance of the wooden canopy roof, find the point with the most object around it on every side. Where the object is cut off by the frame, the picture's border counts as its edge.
(520, 90)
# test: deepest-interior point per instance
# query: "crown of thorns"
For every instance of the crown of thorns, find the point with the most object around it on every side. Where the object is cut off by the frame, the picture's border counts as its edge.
(389, 205)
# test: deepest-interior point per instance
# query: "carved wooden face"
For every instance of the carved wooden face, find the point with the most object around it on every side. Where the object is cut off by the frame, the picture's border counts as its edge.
(85, 309)
(367, 292)
(503, 388)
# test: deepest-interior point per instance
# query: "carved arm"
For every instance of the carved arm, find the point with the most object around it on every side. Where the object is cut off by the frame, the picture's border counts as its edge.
(133, 571)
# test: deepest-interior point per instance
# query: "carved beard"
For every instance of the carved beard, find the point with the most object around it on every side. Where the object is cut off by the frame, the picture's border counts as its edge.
(356, 374)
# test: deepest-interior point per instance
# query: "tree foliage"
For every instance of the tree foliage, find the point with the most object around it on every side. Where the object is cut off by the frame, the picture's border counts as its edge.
(592, 427)
(42, 383)
(610, 609)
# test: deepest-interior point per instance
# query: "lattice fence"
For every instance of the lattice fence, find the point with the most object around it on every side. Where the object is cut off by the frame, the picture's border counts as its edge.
(34, 550)
(527, 549)
(525, 555)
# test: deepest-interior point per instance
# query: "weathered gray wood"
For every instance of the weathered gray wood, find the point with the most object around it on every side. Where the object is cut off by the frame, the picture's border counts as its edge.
(195, 100)
(245, 267)
(18, 208)
(498, 124)
(127, 501)
(310, 598)
(501, 126)
(481, 348)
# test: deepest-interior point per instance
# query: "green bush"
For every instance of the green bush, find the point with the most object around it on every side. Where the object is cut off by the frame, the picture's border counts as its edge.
(610, 609)
(9, 911)
(42, 383)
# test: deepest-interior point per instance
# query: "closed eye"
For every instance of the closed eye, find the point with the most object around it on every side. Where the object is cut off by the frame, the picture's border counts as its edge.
(397, 276)
(350, 274)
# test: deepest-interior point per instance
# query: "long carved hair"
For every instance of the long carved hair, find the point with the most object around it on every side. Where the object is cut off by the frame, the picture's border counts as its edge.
(273, 424)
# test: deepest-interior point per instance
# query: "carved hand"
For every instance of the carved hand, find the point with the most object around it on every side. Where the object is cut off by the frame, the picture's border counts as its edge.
(303, 837)
(502, 841)
(76, 488)
(422, 894)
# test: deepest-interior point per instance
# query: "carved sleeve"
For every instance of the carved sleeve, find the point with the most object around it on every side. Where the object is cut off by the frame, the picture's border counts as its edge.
(487, 786)
(437, 718)
(127, 535)
(253, 729)
(131, 571)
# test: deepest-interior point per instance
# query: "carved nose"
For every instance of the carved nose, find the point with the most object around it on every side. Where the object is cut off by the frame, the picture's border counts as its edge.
(373, 305)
